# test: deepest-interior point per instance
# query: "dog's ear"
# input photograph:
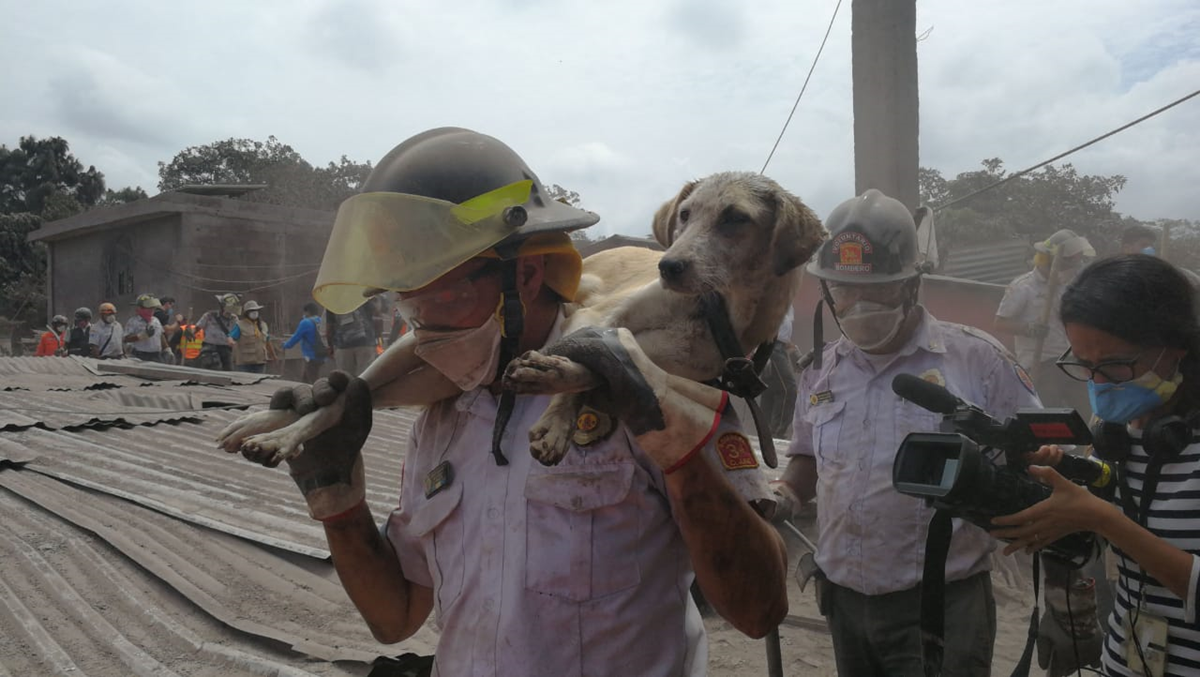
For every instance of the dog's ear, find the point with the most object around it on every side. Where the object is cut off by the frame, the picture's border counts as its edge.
(798, 232)
(666, 219)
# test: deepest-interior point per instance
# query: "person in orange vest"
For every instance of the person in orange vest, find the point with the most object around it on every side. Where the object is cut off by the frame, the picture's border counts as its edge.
(191, 340)
(54, 342)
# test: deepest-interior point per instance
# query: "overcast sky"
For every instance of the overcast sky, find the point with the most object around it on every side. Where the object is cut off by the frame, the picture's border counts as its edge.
(622, 100)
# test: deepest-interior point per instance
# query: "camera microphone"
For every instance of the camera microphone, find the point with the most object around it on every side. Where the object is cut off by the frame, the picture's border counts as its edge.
(926, 395)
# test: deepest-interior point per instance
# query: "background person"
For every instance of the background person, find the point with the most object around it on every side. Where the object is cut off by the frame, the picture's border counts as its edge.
(1135, 339)
(143, 331)
(848, 426)
(252, 342)
(217, 351)
(352, 337)
(53, 342)
(308, 337)
(1024, 308)
(106, 338)
(77, 341)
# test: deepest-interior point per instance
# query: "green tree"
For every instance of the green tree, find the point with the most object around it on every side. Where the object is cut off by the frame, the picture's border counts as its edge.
(125, 195)
(38, 168)
(290, 180)
(1030, 207)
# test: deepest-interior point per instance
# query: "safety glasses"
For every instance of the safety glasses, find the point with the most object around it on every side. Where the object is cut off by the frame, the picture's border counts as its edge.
(846, 295)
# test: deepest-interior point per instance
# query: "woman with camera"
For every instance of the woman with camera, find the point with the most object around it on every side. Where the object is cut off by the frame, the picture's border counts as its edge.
(1135, 340)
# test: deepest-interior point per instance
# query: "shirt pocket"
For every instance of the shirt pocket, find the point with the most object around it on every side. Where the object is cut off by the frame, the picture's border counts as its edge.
(438, 524)
(825, 420)
(582, 531)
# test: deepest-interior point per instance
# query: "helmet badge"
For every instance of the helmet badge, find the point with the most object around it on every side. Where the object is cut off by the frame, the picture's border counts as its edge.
(850, 247)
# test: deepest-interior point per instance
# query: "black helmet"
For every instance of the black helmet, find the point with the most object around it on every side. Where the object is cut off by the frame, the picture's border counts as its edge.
(435, 201)
(83, 314)
(872, 239)
(456, 164)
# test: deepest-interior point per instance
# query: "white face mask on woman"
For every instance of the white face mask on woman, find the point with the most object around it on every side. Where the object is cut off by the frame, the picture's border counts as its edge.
(468, 357)
(253, 314)
(870, 325)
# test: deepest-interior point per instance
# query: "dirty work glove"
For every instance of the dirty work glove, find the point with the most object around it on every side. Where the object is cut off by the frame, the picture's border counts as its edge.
(329, 471)
(1036, 330)
(671, 417)
(1056, 650)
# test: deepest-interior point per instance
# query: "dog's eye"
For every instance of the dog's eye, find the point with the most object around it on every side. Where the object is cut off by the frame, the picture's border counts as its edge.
(731, 223)
(684, 214)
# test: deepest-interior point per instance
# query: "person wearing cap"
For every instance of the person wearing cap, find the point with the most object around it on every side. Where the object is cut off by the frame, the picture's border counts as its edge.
(217, 352)
(580, 568)
(252, 342)
(143, 331)
(1028, 311)
(53, 342)
(848, 425)
(77, 340)
(106, 337)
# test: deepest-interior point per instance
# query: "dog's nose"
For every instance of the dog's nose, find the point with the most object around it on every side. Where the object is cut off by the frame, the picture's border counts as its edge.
(672, 269)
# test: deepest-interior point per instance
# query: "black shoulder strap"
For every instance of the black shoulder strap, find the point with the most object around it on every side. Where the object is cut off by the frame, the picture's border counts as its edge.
(933, 592)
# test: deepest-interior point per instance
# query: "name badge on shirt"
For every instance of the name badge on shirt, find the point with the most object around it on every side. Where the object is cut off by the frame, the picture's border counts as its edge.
(823, 397)
(591, 426)
(439, 478)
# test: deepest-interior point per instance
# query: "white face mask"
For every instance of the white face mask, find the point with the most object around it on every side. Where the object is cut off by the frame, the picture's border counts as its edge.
(253, 314)
(109, 319)
(468, 357)
(870, 325)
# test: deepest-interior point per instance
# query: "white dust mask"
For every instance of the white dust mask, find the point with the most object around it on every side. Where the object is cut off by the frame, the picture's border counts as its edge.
(871, 325)
(468, 357)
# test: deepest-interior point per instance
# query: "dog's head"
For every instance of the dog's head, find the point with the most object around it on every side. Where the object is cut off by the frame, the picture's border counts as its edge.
(731, 225)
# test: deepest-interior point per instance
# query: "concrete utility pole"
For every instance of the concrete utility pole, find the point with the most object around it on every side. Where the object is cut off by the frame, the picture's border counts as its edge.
(884, 46)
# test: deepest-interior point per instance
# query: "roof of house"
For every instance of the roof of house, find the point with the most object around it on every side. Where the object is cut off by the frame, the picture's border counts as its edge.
(130, 540)
(175, 202)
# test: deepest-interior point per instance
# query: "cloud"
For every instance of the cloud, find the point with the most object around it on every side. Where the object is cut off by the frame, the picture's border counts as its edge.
(716, 25)
(359, 34)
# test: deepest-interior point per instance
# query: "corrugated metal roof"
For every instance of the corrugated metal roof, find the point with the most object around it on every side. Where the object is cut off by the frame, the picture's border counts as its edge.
(994, 262)
(134, 547)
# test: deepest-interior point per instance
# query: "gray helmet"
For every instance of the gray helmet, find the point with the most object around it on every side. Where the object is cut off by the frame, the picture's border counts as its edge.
(59, 320)
(83, 314)
(872, 239)
(456, 164)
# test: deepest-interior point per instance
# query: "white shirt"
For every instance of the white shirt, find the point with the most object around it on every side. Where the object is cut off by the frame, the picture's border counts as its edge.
(151, 344)
(872, 538)
(1024, 301)
(574, 569)
(107, 338)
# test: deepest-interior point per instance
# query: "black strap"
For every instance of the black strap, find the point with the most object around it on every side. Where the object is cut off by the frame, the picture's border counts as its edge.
(513, 314)
(1026, 663)
(740, 375)
(933, 592)
(818, 334)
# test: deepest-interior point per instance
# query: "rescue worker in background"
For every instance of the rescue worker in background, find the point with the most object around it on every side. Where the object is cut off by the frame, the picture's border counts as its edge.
(78, 340)
(106, 338)
(143, 331)
(605, 543)
(1138, 239)
(252, 342)
(849, 424)
(1024, 307)
(399, 327)
(191, 340)
(53, 342)
(170, 324)
(352, 337)
(308, 336)
(217, 352)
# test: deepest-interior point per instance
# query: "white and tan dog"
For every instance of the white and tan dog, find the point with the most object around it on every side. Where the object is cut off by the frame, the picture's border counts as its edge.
(736, 233)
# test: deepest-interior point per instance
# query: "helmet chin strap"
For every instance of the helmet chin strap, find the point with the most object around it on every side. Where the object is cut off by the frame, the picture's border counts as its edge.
(512, 314)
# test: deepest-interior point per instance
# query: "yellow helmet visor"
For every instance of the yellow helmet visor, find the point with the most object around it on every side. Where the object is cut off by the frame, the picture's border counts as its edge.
(400, 242)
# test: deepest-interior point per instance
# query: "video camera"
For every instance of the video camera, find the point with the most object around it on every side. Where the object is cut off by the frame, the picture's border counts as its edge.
(953, 471)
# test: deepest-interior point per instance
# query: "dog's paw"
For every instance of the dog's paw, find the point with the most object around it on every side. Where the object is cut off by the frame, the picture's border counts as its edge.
(536, 374)
(550, 439)
(269, 420)
(272, 448)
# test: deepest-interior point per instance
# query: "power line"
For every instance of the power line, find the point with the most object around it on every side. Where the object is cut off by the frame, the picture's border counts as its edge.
(1062, 155)
(803, 87)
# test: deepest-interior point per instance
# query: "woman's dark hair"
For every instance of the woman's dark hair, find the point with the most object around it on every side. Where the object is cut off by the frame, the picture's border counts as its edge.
(1142, 300)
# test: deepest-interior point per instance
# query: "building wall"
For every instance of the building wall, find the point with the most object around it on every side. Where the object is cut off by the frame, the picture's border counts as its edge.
(113, 265)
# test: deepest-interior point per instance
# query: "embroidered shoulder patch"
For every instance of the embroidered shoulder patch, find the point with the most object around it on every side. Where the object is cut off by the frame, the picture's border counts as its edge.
(591, 426)
(933, 376)
(735, 452)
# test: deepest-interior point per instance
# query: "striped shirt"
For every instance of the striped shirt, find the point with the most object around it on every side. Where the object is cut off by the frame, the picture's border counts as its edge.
(1174, 516)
